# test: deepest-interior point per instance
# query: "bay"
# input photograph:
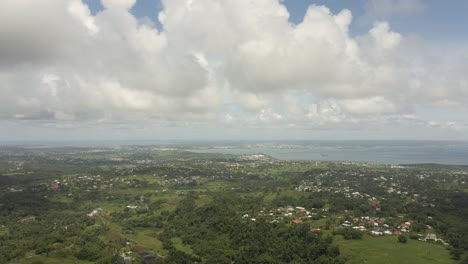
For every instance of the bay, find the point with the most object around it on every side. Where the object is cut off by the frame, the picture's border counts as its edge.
(386, 152)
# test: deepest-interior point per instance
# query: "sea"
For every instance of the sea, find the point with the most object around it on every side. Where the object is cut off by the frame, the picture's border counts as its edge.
(374, 151)
(386, 152)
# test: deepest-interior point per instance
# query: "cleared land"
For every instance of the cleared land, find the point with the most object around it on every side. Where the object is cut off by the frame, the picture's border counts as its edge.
(387, 250)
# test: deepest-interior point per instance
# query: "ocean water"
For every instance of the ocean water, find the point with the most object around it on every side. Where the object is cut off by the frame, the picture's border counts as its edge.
(387, 152)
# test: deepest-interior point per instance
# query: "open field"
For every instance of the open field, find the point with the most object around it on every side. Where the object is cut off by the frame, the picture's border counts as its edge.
(387, 250)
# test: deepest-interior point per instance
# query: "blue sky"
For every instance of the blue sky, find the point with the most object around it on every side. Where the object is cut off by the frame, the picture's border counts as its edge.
(438, 21)
(387, 69)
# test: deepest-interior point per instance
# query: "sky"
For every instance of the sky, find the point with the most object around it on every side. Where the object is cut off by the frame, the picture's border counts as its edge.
(233, 69)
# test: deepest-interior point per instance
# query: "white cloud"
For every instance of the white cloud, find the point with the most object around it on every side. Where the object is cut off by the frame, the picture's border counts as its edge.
(216, 62)
(118, 4)
(371, 105)
(81, 12)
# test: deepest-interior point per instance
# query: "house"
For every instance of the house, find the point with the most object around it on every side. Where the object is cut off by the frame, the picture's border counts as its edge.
(297, 221)
(148, 257)
(54, 186)
(124, 260)
(405, 225)
(27, 219)
(94, 212)
(127, 260)
(397, 232)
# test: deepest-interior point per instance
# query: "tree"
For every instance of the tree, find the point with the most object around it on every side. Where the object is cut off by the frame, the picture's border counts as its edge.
(456, 253)
(419, 227)
(88, 252)
(402, 239)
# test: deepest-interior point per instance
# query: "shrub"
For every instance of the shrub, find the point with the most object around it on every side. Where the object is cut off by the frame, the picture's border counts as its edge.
(402, 239)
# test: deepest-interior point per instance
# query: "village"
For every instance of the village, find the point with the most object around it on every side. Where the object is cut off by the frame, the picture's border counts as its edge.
(134, 200)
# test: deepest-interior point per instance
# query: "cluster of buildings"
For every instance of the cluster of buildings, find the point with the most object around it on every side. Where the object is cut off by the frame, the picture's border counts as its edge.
(178, 180)
(295, 215)
(375, 225)
(15, 165)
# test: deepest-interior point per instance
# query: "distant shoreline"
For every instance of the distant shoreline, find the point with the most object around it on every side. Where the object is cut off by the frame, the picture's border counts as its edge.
(229, 142)
(393, 152)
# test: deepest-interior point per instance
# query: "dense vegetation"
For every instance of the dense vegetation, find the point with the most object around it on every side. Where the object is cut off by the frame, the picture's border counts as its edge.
(86, 205)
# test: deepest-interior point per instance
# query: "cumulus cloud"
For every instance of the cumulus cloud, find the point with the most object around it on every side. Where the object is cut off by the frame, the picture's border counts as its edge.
(216, 62)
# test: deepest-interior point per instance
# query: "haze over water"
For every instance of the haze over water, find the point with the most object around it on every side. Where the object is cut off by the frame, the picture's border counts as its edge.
(387, 152)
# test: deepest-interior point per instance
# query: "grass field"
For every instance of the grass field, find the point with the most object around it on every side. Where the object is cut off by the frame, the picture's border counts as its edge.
(177, 242)
(386, 250)
(146, 238)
